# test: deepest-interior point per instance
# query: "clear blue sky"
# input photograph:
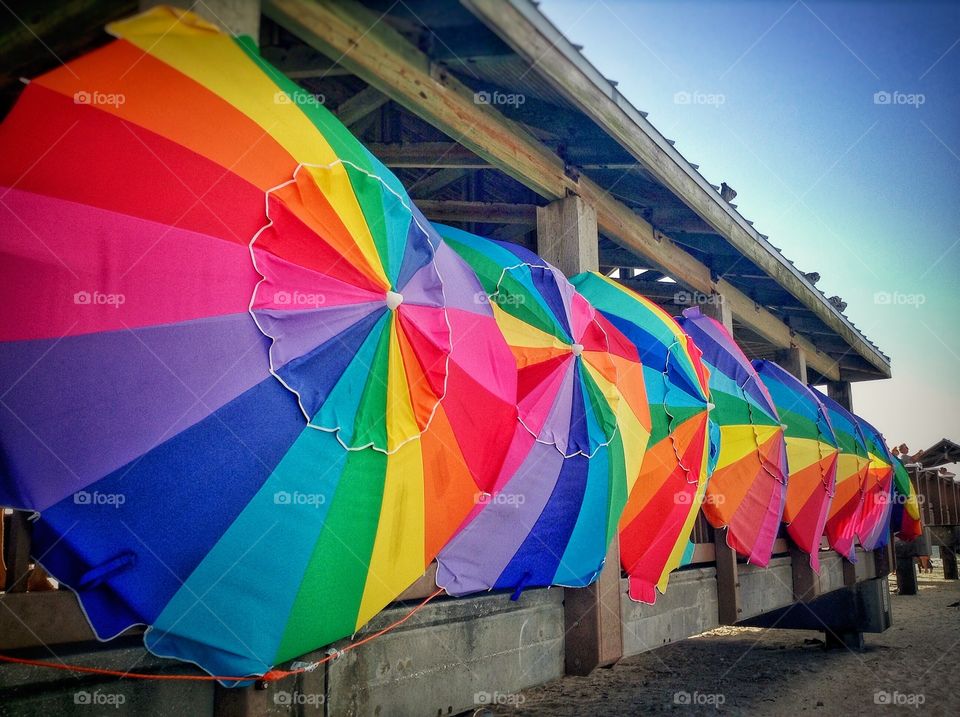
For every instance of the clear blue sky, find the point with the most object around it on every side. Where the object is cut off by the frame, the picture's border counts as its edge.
(867, 194)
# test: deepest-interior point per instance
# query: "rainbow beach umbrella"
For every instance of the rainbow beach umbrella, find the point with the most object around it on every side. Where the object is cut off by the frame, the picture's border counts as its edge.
(747, 490)
(852, 463)
(249, 387)
(663, 505)
(579, 442)
(812, 454)
(905, 518)
(873, 529)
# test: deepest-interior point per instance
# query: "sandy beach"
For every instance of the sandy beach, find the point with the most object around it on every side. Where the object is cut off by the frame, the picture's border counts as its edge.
(909, 668)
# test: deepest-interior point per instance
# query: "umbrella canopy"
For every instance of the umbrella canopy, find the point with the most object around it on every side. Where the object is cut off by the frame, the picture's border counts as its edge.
(663, 505)
(181, 485)
(905, 518)
(852, 463)
(747, 490)
(579, 443)
(811, 457)
(873, 529)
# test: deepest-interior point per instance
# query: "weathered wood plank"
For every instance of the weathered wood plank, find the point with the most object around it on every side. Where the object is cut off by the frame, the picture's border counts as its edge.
(421, 155)
(489, 212)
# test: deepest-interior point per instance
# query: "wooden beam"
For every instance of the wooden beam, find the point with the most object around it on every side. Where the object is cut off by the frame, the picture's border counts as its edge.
(552, 56)
(427, 155)
(386, 60)
(418, 154)
(360, 105)
(489, 212)
(511, 232)
(433, 183)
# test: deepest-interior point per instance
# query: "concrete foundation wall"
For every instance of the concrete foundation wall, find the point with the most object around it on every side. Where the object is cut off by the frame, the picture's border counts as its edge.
(443, 660)
(450, 655)
(831, 572)
(866, 568)
(689, 607)
(28, 690)
(765, 589)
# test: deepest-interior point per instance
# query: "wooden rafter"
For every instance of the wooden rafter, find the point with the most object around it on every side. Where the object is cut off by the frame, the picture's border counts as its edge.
(360, 105)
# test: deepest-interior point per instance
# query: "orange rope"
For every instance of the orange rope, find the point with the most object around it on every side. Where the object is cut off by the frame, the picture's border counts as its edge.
(270, 676)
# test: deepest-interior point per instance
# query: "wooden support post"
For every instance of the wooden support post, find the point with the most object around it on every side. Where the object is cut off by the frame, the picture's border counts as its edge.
(567, 235)
(794, 361)
(949, 558)
(728, 580)
(240, 701)
(842, 393)
(881, 562)
(718, 307)
(806, 583)
(592, 621)
(3, 562)
(906, 574)
(568, 238)
(849, 573)
(17, 552)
